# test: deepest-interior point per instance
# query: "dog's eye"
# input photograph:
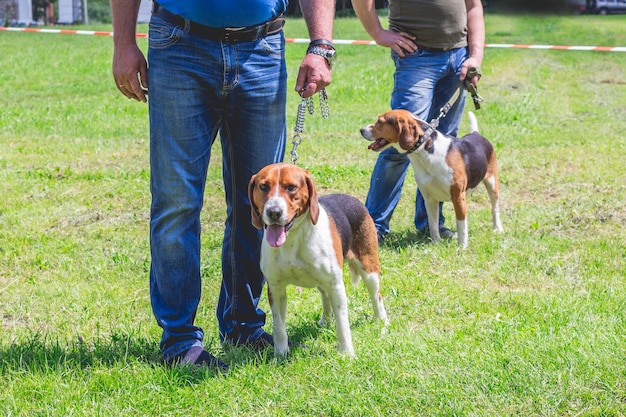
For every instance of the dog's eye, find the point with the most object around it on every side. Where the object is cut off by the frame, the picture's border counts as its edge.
(264, 187)
(291, 188)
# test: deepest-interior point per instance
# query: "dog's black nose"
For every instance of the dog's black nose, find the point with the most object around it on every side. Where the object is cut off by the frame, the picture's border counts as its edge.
(274, 213)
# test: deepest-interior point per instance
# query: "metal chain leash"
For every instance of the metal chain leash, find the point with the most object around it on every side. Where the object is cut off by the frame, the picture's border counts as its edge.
(306, 104)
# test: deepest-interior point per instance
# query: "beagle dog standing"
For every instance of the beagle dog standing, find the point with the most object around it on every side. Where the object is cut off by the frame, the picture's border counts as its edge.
(305, 243)
(446, 168)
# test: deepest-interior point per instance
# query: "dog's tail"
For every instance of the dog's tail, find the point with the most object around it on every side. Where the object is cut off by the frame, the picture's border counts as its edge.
(473, 122)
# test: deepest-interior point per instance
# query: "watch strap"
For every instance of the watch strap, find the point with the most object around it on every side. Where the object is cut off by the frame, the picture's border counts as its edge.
(318, 42)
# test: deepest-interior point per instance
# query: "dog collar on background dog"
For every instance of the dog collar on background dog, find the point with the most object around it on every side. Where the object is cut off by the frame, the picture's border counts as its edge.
(432, 126)
(420, 141)
(434, 123)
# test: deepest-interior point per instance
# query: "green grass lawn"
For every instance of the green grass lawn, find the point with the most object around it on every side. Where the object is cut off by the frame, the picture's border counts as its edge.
(528, 323)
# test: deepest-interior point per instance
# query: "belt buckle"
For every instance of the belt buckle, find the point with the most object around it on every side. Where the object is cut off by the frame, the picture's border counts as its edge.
(232, 34)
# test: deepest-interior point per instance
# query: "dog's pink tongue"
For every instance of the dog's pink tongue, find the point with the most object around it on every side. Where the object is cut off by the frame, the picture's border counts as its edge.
(275, 235)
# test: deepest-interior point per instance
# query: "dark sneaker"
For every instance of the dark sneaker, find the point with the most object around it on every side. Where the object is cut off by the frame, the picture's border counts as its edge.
(381, 238)
(446, 233)
(261, 343)
(264, 341)
(199, 357)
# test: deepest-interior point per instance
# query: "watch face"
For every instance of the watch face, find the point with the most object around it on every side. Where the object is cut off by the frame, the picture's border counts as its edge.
(331, 57)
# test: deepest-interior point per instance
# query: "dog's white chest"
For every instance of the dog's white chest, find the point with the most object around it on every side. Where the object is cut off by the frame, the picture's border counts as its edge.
(432, 174)
(306, 259)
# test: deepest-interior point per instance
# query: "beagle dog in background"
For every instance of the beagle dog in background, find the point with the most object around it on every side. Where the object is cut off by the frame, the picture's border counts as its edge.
(446, 168)
(305, 243)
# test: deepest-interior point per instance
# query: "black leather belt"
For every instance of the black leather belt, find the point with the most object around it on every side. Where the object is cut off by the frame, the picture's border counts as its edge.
(230, 35)
(429, 49)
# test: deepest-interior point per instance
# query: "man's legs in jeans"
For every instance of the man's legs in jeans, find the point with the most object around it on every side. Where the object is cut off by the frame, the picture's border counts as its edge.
(253, 136)
(423, 83)
(385, 188)
(188, 102)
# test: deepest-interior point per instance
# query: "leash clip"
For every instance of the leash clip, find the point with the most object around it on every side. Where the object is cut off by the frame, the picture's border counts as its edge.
(297, 139)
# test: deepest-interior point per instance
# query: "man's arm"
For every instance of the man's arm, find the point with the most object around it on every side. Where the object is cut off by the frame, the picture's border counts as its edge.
(475, 37)
(130, 69)
(315, 73)
(366, 12)
(400, 42)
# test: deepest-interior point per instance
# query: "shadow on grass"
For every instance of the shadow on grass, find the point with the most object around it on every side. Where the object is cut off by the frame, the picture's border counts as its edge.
(40, 352)
(405, 238)
(43, 353)
(299, 337)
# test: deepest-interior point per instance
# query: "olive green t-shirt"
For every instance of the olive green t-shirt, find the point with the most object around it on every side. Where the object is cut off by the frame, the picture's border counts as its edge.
(434, 23)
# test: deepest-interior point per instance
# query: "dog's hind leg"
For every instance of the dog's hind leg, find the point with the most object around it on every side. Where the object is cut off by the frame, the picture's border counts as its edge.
(356, 271)
(372, 282)
(491, 184)
(460, 210)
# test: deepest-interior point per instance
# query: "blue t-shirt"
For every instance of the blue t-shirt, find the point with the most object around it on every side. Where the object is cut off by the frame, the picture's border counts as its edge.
(226, 13)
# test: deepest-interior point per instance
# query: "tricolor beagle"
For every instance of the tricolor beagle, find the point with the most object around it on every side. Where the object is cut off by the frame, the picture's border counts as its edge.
(446, 168)
(305, 243)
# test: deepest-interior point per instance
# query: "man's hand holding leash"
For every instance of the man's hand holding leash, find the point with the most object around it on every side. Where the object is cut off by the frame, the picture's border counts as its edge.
(314, 75)
(315, 72)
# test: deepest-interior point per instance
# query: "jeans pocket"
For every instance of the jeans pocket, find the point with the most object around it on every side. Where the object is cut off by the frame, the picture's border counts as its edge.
(273, 45)
(162, 34)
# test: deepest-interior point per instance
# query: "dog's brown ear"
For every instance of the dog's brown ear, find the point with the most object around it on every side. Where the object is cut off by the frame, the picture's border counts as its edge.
(408, 133)
(254, 211)
(314, 208)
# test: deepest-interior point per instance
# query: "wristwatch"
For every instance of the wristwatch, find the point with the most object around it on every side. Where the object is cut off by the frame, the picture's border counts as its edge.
(327, 50)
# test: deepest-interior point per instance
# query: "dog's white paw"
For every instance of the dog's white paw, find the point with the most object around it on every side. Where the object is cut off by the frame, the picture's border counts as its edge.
(281, 352)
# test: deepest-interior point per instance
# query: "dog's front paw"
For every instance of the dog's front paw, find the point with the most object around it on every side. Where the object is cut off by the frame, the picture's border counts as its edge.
(347, 351)
(281, 351)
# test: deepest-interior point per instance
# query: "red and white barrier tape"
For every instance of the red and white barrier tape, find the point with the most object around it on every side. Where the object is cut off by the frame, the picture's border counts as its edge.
(336, 41)
(64, 31)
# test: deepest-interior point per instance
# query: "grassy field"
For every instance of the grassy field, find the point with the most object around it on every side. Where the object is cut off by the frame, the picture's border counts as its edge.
(531, 322)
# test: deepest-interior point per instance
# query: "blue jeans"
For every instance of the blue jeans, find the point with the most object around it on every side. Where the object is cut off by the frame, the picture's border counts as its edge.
(423, 83)
(199, 88)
